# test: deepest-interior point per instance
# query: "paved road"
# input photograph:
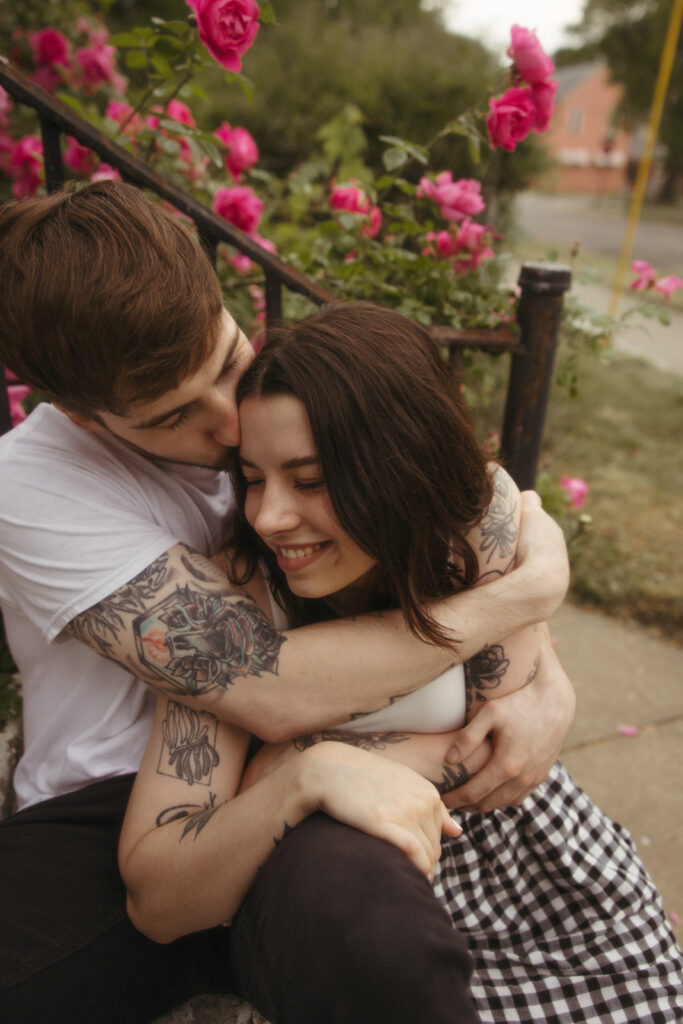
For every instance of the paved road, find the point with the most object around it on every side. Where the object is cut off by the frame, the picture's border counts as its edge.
(564, 220)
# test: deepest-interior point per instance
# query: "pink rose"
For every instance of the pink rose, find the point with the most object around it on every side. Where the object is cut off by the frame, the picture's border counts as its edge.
(79, 158)
(456, 198)
(353, 199)
(242, 151)
(239, 206)
(227, 28)
(511, 118)
(49, 47)
(16, 393)
(543, 95)
(440, 244)
(181, 113)
(470, 246)
(26, 166)
(645, 275)
(123, 114)
(105, 172)
(667, 285)
(576, 490)
(98, 64)
(531, 61)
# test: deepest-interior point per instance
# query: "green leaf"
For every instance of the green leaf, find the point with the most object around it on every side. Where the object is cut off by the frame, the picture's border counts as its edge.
(412, 149)
(175, 126)
(71, 101)
(394, 158)
(167, 46)
(267, 13)
(474, 147)
(169, 146)
(163, 67)
(136, 59)
(124, 39)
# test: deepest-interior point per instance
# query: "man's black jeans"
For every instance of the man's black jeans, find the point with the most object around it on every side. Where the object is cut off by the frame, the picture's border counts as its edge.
(338, 927)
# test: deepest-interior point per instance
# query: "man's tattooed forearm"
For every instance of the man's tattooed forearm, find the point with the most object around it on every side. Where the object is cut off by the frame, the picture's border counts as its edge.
(452, 777)
(364, 741)
(195, 816)
(188, 748)
(499, 526)
(199, 641)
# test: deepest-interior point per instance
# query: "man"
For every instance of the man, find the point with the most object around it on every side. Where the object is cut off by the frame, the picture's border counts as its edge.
(112, 499)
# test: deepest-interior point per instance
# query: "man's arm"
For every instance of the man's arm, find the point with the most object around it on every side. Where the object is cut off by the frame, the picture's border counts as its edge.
(179, 626)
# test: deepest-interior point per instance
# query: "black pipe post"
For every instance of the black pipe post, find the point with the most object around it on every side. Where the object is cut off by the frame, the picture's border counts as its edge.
(539, 314)
(52, 153)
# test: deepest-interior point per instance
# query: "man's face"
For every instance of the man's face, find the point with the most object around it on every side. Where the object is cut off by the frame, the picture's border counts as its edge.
(197, 423)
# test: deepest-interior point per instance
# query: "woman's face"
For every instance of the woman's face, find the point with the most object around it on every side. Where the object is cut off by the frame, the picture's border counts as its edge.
(287, 502)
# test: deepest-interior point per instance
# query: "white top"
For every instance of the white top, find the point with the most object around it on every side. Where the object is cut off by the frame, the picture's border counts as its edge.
(80, 515)
(437, 707)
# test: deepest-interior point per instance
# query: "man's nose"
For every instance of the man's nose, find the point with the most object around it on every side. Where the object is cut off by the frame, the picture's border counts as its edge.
(226, 422)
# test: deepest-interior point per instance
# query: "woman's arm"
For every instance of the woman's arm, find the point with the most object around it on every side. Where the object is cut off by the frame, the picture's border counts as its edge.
(190, 848)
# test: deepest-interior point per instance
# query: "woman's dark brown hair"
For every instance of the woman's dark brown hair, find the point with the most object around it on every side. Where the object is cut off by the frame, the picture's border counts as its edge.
(402, 469)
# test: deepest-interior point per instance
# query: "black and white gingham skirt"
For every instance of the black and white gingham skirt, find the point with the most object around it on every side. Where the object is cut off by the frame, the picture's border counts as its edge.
(563, 921)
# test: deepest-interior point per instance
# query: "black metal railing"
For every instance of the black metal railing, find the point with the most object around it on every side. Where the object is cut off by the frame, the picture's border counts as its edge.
(532, 348)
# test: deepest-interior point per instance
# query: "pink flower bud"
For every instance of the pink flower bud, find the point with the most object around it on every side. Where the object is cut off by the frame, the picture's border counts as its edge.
(576, 490)
(667, 285)
(531, 61)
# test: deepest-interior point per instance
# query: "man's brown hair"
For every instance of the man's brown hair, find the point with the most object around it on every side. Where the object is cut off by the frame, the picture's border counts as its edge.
(106, 300)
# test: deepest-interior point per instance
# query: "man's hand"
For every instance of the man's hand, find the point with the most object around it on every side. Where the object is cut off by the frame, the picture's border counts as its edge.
(527, 729)
(542, 566)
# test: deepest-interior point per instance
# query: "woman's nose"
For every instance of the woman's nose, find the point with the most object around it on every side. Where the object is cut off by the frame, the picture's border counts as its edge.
(276, 513)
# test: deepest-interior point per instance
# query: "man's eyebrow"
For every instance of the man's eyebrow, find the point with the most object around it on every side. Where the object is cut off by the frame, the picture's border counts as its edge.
(156, 421)
(304, 460)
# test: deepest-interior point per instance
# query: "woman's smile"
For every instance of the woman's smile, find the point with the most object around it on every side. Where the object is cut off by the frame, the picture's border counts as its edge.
(293, 557)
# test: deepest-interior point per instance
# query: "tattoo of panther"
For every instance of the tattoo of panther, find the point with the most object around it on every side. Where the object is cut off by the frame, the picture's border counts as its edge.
(196, 816)
(187, 751)
(199, 641)
(364, 741)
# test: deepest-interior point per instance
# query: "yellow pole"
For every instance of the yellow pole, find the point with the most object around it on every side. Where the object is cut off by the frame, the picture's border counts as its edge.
(663, 76)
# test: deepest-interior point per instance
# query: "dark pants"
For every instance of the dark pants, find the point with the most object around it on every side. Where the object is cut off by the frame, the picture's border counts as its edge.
(338, 927)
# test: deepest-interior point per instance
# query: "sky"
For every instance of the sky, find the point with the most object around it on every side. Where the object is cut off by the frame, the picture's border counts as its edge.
(490, 21)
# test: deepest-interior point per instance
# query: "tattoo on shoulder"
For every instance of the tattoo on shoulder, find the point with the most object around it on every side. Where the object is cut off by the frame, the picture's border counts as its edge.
(363, 741)
(195, 815)
(188, 748)
(100, 625)
(452, 777)
(498, 527)
(199, 641)
(485, 671)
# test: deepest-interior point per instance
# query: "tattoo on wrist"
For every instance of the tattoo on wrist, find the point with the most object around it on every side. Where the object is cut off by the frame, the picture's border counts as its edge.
(484, 671)
(452, 777)
(363, 741)
(188, 748)
(285, 832)
(199, 641)
(195, 815)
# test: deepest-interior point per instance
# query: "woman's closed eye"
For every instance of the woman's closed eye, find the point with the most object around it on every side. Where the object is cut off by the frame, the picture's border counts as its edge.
(309, 485)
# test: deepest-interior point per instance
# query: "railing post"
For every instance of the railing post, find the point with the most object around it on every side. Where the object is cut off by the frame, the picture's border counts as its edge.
(52, 153)
(538, 315)
(273, 300)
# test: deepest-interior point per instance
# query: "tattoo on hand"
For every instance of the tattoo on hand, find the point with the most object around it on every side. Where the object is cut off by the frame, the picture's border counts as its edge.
(485, 671)
(188, 749)
(195, 815)
(200, 641)
(452, 778)
(363, 741)
(498, 527)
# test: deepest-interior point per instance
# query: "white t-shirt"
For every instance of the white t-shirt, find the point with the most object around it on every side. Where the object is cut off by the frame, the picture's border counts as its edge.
(80, 515)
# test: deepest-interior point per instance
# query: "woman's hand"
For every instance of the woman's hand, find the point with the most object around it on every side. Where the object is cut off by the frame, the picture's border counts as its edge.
(382, 798)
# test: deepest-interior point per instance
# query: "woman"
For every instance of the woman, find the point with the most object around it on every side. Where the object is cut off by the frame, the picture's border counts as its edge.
(361, 488)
